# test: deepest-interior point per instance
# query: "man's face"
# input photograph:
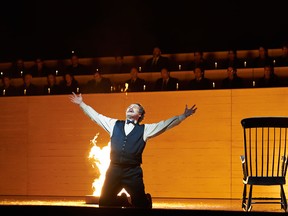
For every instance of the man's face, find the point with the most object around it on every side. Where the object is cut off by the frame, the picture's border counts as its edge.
(267, 72)
(156, 52)
(132, 112)
(133, 73)
(164, 73)
(198, 73)
(97, 76)
(230, 72)
(68, 78)
(74, 60)
(51, 79)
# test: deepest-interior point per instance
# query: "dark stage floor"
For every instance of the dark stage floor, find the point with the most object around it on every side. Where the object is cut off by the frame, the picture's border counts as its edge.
(36, 205)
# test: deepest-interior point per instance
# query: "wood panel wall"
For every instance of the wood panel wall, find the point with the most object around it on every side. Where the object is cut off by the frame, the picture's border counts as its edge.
(45, 141)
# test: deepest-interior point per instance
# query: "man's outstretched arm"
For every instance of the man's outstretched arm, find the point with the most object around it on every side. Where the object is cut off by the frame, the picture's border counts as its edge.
(105, 122)
(152, 130)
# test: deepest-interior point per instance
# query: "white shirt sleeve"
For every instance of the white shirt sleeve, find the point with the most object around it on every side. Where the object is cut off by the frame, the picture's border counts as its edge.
(150, 130)
(103, 121)
(155, 129)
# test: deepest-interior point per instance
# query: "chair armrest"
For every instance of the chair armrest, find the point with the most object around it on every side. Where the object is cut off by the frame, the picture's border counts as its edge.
(242, 158)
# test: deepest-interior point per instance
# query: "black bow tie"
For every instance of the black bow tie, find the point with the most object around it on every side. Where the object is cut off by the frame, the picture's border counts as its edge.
(130, 121)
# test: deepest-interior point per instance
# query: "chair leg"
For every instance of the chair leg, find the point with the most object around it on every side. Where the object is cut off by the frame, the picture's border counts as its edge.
(249, 203)
(244, 197)
(283, 199)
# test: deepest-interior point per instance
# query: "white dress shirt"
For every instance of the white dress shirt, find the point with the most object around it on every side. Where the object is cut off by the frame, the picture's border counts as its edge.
(150, 130)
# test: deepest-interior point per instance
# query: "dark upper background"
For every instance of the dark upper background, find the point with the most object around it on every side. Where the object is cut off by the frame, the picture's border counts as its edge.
(51, 29)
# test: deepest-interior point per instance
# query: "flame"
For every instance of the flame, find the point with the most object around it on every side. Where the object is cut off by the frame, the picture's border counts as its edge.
(101, 161)
(126, 87)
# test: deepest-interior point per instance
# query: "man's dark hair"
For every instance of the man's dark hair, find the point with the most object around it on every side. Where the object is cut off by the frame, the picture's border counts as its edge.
(142, 111)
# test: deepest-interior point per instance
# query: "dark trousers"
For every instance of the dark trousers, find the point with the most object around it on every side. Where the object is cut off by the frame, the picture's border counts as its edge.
(128, 177)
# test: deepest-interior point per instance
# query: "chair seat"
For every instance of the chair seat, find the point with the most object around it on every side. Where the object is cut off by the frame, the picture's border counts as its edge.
(264, 180)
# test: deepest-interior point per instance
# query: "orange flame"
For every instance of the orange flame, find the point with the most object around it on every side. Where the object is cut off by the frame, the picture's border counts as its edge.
(101, 161)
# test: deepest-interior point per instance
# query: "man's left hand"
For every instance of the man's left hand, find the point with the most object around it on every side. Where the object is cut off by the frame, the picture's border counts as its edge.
(190, 111)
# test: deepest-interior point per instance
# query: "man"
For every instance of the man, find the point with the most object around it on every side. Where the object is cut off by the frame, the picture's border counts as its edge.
(269, 78)
(166, 82)
(7, 89)
(232, 80)
(135, 83)
(98, 84)
(75, 67)
(200, 81)
(28, 87)
(157, 62)
(128, 140)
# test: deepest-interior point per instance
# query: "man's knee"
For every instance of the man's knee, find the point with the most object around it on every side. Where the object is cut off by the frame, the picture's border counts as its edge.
(118, 201)
(143, 202)
(149, 200)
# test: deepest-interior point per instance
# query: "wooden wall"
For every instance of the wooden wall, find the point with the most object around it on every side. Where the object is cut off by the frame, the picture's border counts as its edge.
(45, 141)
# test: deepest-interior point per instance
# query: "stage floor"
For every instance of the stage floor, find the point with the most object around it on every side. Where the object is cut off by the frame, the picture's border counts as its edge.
(227, 205)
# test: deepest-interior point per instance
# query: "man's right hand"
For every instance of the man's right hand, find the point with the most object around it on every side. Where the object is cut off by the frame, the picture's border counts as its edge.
(76, 99)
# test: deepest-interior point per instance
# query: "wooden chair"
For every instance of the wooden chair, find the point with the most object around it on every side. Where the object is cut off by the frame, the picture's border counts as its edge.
(265, 158)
